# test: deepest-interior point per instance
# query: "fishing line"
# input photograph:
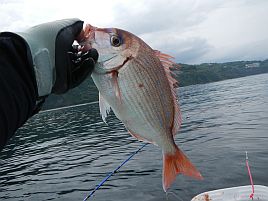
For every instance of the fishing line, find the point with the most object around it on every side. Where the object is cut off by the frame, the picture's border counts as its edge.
(114, 171)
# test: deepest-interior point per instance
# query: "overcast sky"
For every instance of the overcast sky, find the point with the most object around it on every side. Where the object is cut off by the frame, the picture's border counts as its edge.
(193, 31)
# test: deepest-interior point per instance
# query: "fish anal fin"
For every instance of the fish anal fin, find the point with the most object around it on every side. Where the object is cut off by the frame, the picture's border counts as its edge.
(138, 137)
(104, 108)
(177, 163)
(167, 63)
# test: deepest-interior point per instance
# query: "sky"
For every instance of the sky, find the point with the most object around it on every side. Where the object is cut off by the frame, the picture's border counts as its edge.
(192, 31)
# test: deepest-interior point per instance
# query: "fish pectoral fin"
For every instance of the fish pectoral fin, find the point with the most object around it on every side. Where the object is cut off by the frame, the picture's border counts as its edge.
(104, 108)
(177, 163)
(138, 137)
(116, 86)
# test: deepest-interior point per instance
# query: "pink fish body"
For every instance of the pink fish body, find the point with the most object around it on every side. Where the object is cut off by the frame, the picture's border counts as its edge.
(136, 83)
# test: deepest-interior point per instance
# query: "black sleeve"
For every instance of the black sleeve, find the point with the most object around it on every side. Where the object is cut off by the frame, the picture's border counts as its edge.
(18, 90)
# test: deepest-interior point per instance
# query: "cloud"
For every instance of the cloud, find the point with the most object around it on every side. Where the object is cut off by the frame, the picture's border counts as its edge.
(193, 31)
(167, 26)
(20, 14)
(156, 15)
(237, 31)
(183, 48)
(198, 31)
(192, 50)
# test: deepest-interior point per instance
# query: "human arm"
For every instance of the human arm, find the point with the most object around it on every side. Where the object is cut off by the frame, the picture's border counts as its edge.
(34, 64)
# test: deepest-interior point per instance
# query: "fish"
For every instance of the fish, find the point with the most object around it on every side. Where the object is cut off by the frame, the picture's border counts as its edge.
(136, 82)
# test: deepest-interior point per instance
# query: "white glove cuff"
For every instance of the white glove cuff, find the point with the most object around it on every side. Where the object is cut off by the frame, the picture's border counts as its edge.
(44, 72)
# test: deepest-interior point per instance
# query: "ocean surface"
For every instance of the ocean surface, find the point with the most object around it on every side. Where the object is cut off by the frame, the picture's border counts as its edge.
(63, 154)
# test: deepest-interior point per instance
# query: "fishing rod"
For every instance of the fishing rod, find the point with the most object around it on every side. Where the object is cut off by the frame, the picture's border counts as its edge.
(250, 177)
(114, 171)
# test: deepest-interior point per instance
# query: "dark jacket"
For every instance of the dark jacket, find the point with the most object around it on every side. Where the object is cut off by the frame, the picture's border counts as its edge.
(18, 90)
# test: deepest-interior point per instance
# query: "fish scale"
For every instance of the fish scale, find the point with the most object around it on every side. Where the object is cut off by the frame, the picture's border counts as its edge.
(152, 90)
(152, 112)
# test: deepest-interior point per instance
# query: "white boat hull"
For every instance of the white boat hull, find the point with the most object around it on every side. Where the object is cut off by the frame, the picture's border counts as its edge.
(240, 193)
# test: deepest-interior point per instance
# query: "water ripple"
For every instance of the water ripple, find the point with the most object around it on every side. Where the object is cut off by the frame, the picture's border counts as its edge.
(63, 154)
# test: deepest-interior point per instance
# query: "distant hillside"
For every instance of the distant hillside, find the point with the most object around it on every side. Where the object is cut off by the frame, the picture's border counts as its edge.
(86, 92)
(187, 75)
(211, 72)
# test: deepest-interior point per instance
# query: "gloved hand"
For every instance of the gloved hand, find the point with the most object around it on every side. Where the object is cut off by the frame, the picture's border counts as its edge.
(58, 65)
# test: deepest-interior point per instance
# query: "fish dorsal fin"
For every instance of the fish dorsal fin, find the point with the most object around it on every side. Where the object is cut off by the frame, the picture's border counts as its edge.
(104, 108)
(168, 64)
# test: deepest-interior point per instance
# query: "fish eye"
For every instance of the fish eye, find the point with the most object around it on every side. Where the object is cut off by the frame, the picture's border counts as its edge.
(115, 41)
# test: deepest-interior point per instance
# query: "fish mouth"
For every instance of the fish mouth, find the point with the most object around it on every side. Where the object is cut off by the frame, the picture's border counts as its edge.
(87, 37)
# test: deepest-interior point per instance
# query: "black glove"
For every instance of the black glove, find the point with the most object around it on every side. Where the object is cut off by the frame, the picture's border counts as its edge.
(58, 65)
(82, 65)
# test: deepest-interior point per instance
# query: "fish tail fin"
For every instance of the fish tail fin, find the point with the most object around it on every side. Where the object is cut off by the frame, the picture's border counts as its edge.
(177, 163)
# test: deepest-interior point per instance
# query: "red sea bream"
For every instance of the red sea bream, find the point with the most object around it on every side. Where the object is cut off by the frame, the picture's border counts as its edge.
(136, 83)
